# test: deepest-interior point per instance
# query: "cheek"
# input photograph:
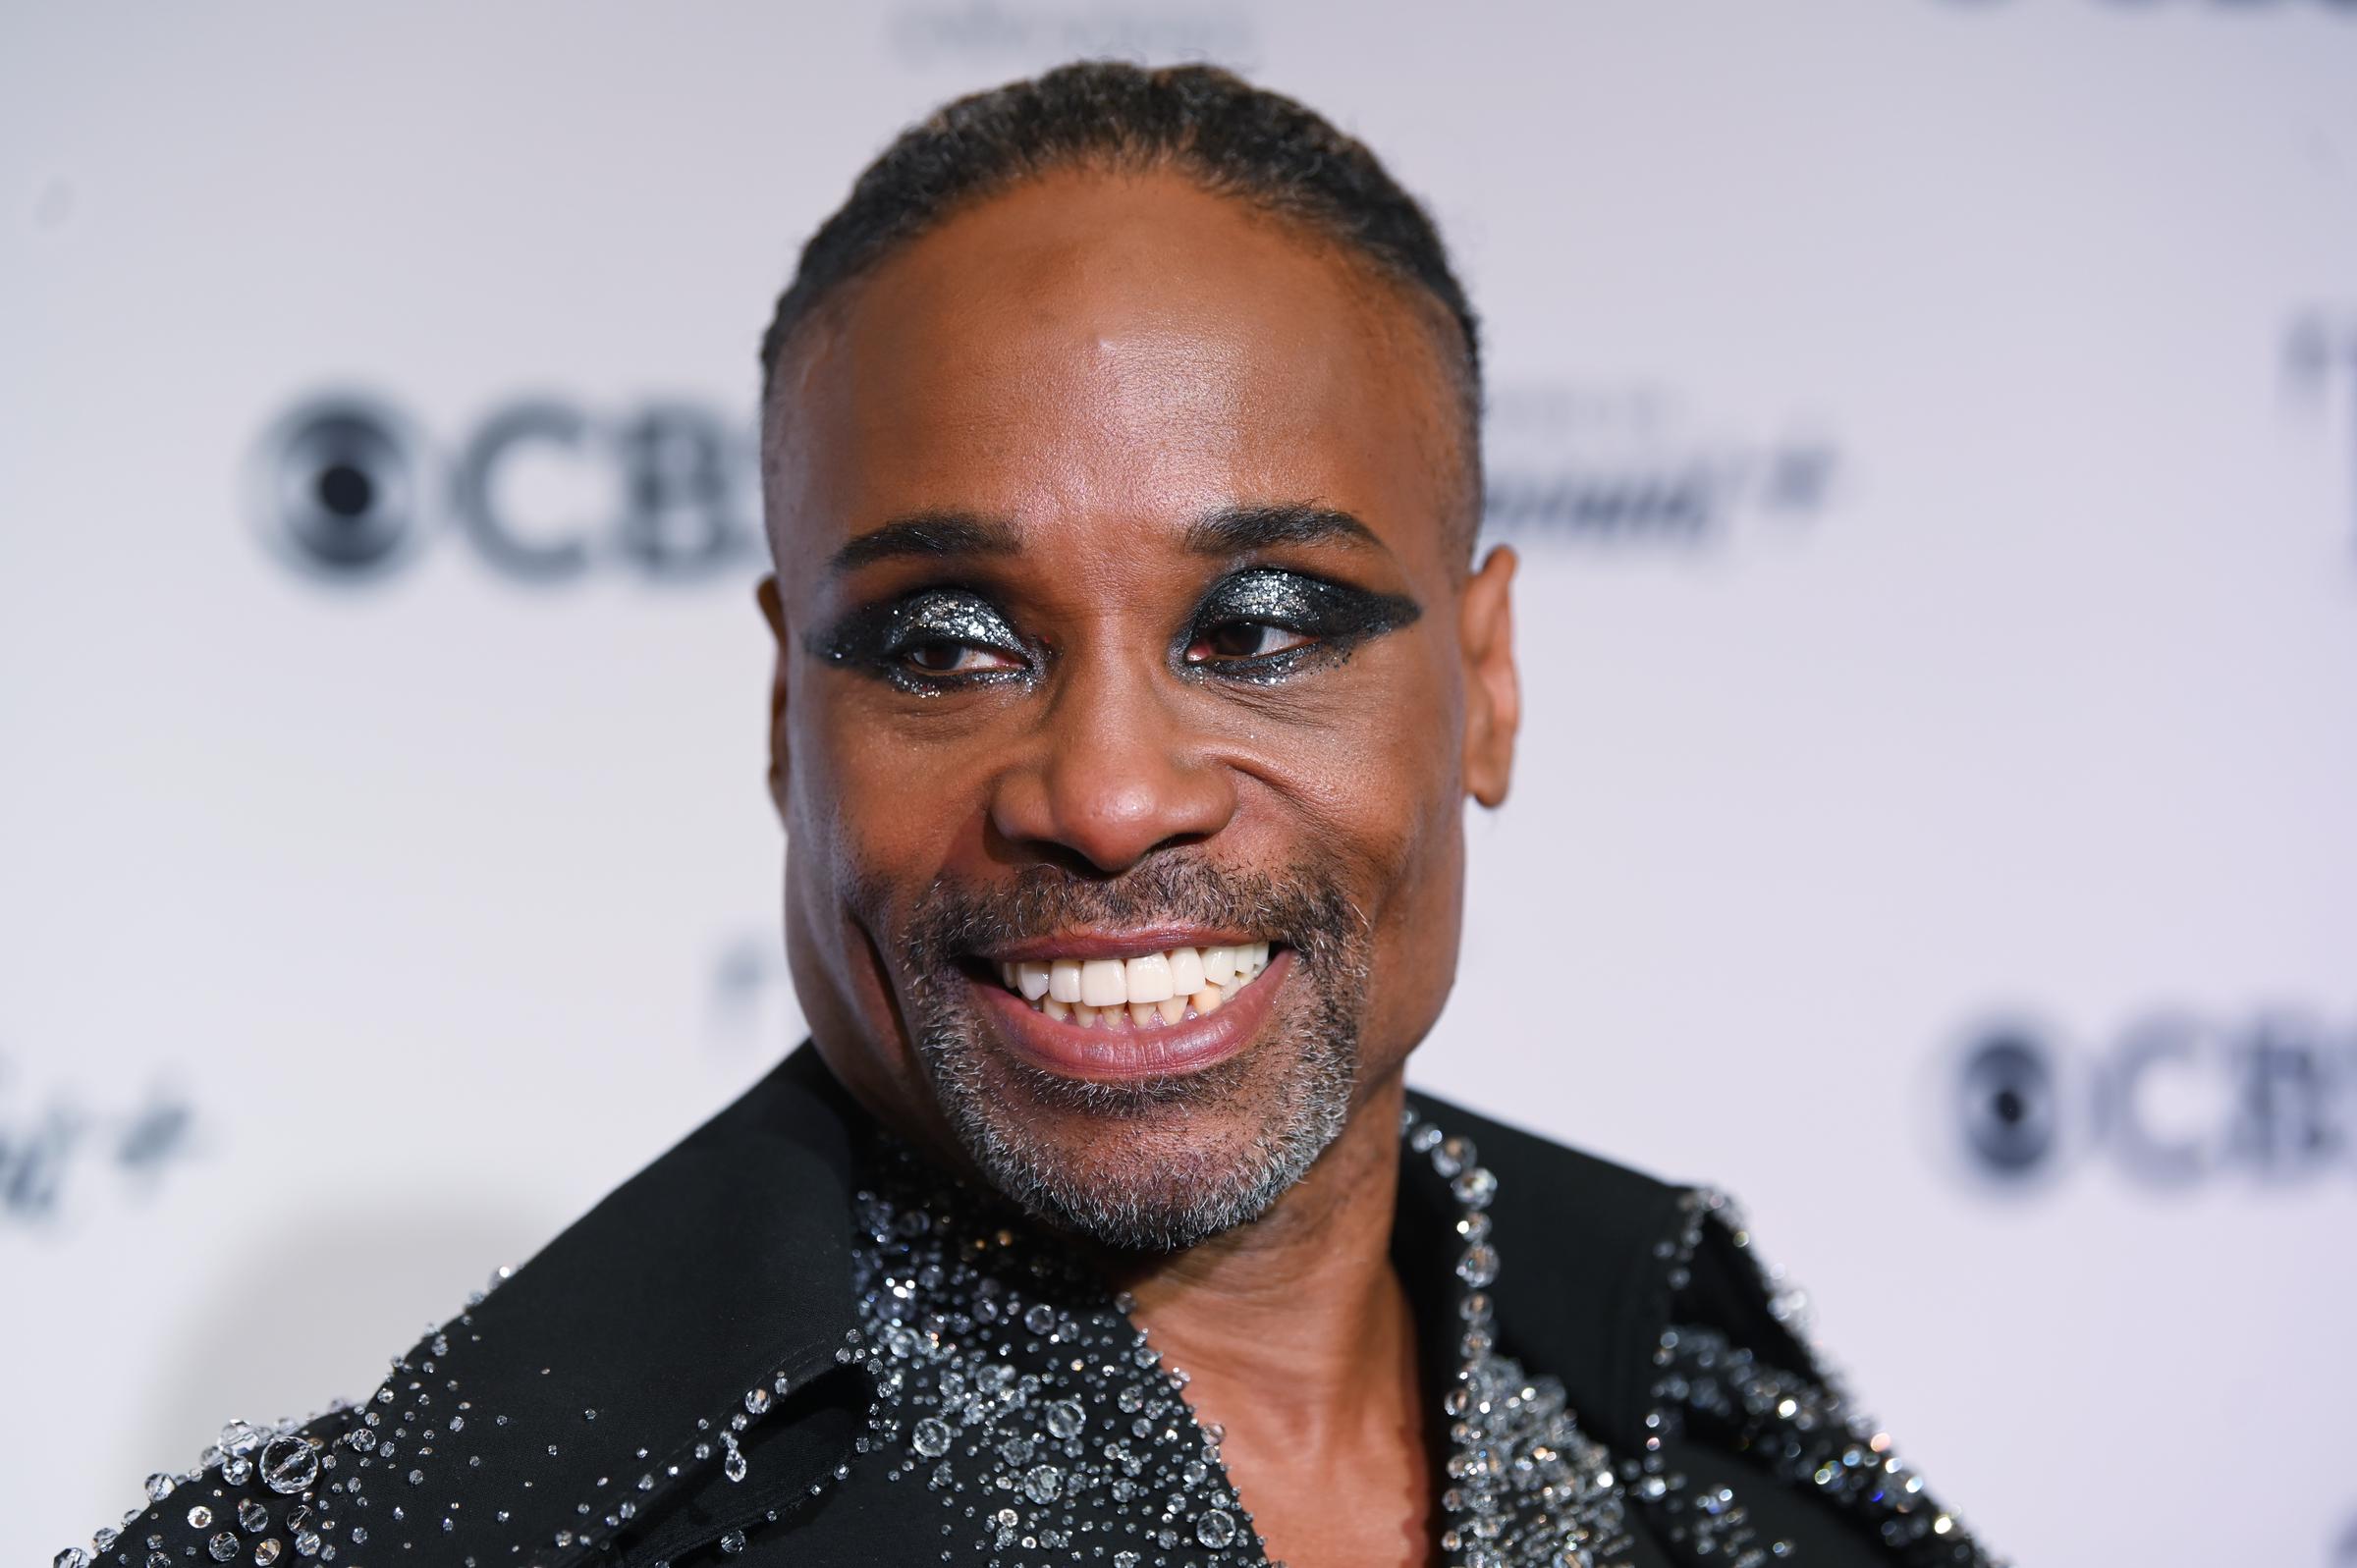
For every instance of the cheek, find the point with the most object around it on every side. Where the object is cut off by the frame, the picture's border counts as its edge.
(1416, 943)
(883, 800)
(872, 815)
(1387, 804)
(855, 836)
(1416, 926)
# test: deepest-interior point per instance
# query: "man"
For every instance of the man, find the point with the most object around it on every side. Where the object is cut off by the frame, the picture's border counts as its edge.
(1122, 467)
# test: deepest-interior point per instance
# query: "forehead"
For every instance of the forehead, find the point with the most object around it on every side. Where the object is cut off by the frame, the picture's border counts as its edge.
(1109, 353)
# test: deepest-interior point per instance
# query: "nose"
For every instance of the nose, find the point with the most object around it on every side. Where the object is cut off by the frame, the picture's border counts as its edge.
(1114, 774)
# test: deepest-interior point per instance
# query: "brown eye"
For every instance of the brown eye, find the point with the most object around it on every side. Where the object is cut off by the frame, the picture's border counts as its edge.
(1242, 639)
(934, 657)
(931, 641)
(942, 656)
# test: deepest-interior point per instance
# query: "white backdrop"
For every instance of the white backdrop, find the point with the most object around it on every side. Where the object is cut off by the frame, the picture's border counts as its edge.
(1929, 426)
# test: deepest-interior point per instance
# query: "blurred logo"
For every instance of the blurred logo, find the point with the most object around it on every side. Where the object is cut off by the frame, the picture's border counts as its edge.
(341, 487)
(2171, 1101)
(49, 1148)
(345, 488)
(923, 35)
(2006, 1098)
(2320, 359)
(1631, 466)
(749, 1000)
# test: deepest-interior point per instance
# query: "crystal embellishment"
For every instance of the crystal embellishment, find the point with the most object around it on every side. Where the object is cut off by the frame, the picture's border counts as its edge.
(288, 1465)
(989, 1346)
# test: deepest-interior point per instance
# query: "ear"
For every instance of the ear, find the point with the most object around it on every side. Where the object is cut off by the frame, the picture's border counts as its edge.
(1493, 691)
(772, 610)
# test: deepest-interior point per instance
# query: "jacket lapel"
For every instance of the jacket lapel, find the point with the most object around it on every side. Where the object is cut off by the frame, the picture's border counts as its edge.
(1586, 1249)
(627, 1366)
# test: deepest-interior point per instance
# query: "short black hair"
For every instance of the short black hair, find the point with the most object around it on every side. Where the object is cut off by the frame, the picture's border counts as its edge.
(1232, 137)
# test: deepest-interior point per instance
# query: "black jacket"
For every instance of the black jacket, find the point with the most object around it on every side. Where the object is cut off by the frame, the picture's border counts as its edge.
(576, 1412)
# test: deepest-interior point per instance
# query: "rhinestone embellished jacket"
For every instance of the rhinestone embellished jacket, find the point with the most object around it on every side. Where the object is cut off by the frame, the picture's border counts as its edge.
(687, 1374)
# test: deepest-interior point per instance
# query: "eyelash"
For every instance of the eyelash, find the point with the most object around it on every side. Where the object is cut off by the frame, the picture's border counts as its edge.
(1332, 618)
(881, 638)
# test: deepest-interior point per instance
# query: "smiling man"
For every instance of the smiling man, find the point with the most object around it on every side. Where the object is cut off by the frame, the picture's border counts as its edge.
(1133, 665)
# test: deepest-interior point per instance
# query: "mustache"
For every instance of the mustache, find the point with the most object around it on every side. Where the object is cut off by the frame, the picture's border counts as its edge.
(1301, 906)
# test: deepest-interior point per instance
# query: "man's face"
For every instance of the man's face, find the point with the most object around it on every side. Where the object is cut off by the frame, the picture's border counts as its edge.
(1129, 682)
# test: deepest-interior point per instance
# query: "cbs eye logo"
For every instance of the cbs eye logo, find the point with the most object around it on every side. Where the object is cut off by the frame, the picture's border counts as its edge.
(2170, 1102)
(345, 488)
(338, 488)
(2007, 1103)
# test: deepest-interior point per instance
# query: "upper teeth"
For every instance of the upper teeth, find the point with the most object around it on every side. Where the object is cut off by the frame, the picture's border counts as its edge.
(1152, 985)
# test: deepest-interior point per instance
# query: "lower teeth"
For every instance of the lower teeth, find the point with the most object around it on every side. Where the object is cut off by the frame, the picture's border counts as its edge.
(1144, 1014)
(1240, 965)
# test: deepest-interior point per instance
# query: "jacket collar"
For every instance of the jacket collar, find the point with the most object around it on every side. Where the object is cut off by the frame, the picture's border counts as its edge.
(1588, 1251)
(678, 1345)
(603, 1375)
(1598, 1262)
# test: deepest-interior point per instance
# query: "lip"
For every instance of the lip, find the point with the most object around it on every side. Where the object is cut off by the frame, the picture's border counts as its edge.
(1126, 1056)
(1133, 944)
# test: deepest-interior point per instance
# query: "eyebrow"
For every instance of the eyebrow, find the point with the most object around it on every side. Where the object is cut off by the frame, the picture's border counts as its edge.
(934, 535)
(1238, 530)
(1228, 531)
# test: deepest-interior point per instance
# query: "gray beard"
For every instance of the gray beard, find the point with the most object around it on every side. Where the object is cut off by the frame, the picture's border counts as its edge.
(1293, 1090)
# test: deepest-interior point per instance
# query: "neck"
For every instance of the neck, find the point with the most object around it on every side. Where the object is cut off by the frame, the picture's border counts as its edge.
(1300, 1348)
(1304, 1299)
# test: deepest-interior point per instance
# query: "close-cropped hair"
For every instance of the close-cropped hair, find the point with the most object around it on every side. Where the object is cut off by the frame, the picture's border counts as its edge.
(1233, 138)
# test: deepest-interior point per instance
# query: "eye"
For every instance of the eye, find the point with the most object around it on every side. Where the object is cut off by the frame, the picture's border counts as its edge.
(1267, 625)
(945, 656)
(938, 640)
(1243, 639)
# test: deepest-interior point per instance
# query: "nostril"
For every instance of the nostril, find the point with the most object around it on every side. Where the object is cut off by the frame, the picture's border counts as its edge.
(1098, 803)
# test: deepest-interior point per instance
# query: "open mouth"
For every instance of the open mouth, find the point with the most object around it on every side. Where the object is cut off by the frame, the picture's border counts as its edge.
(1129, 1008)
(1148, 991)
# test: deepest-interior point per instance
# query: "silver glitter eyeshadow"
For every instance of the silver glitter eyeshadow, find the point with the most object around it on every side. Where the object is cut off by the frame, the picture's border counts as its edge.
(1336, 618)
(877, 638)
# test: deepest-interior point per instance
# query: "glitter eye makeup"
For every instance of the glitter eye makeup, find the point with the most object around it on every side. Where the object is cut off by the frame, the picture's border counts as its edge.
(1266, 625)
(1261, 626)
(930, 642)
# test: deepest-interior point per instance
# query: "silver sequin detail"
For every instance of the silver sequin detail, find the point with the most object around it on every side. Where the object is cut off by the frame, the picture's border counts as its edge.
(1802, 1427)
(1015, 1386)
(1010, 1383)
(1526, 1487)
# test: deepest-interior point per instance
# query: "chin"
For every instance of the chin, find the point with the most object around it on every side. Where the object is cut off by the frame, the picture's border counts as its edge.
(1147, 1061)
(1144, 1127)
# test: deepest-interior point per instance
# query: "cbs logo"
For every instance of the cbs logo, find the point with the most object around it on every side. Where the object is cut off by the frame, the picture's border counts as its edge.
(2171, 1101)
(347, 488)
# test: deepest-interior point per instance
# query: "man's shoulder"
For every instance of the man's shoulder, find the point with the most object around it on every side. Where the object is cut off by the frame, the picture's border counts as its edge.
(1598, 1261)
(1676, 1341)
(621, 1366)
(1506, 1148)
(1555, 1205)
(257, 1494)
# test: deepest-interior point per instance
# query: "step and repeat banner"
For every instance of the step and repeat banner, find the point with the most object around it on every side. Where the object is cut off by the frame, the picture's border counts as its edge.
(1930, 429)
